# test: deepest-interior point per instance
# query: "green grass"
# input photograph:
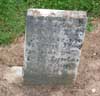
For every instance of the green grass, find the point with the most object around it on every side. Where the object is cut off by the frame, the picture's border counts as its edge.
(90, 26)
(12, 14)
(11, 20)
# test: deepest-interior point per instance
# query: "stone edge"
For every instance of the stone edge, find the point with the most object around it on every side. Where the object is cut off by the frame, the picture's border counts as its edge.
(56, 13)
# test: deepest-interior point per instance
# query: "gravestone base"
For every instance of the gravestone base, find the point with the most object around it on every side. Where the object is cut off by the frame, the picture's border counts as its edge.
(38, 80)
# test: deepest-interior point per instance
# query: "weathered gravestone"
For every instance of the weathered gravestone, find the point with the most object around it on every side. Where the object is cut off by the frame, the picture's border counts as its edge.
(53, 43)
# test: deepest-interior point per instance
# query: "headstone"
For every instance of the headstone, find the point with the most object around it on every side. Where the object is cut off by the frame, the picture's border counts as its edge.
(53, 44)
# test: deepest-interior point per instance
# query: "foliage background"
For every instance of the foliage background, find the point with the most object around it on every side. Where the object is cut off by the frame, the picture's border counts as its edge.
(12, 13)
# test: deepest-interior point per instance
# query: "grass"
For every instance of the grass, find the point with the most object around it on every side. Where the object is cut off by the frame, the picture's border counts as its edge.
(12, 14)
(90, 26)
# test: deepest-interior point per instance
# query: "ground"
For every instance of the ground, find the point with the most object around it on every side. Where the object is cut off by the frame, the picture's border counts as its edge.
(88, 79)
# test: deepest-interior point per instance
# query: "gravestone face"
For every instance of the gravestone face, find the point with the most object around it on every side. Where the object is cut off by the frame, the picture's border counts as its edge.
(53, 44)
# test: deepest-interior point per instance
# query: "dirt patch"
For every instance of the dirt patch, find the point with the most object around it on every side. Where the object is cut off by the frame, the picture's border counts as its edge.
(13, 54)
(88, 79)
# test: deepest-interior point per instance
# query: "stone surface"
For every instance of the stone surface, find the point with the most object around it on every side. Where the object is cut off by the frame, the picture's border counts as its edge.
(53, 45)
(13, 75)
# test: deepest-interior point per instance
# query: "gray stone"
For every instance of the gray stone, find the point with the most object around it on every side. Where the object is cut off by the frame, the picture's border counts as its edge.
(53, 45)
